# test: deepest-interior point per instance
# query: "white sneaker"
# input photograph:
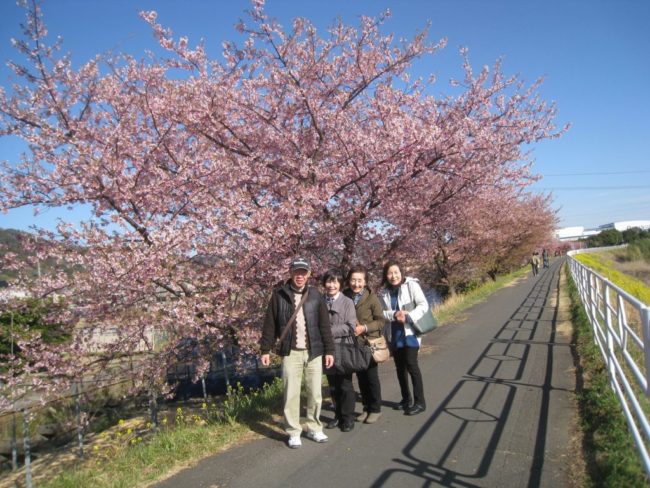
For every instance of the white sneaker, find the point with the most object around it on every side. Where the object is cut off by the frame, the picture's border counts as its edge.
(294, 442)
(317, 436)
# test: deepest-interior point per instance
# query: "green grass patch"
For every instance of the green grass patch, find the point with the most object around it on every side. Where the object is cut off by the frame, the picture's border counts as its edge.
(193, 436)
(454, 306)
(611, 455)
(604, 266)
(639, 249)
(139, 464)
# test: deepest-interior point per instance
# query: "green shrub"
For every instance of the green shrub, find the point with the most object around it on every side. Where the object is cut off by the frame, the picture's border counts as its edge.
(241, 406)
(638, 250)
(634, 234)
(609, 237)
(27, 317)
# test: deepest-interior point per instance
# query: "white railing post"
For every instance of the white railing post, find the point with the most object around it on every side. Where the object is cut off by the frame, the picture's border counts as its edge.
(645, 324)
(593, 301)
(608, 313)
(611, 366)
(621, 317)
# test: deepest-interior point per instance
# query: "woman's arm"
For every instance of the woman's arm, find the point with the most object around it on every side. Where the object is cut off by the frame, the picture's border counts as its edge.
(387, 312)
(350, 316)
(339, 328)
(341, 320)
(378, 319)
(418, 301)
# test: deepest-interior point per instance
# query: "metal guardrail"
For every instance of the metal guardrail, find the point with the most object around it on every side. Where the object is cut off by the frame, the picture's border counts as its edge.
(223, 373)
(621, 329)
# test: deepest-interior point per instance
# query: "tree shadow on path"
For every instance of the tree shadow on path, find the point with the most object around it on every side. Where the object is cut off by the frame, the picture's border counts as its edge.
(468, 427)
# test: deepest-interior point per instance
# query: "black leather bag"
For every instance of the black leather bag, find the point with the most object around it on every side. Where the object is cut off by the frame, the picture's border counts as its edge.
(350, 357)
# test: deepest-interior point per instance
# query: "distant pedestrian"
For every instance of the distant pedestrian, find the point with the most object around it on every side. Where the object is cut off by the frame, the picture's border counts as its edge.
(534, 263)
(401, 294)
(302, 348)
(545, 258)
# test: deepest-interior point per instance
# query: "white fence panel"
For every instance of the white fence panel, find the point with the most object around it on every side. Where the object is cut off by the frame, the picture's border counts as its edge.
(621, 329)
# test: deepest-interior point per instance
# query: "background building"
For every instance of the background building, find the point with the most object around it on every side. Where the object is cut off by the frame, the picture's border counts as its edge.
(579, 232)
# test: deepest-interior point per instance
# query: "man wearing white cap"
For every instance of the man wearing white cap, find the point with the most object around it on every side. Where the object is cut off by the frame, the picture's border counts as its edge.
(302, 345)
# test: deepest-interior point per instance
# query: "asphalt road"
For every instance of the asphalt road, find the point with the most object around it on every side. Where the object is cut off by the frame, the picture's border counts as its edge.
(500, 412)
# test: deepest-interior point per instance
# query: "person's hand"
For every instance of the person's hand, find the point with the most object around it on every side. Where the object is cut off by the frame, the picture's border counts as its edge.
(359, 329)
(400, 316)
(329, 361)
(266, 359)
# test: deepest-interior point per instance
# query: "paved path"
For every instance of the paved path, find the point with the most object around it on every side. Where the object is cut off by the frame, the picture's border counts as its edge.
(499, 388)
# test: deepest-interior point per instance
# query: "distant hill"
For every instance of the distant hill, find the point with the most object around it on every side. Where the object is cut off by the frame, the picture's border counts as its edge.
(12, 240)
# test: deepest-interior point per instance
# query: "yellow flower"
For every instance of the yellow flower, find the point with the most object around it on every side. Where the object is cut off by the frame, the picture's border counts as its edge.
(120, 422)
(95, 448)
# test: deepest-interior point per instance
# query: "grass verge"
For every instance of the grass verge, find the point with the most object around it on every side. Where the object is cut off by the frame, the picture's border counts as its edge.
(452, 308)
(192, 437)
(610, 453)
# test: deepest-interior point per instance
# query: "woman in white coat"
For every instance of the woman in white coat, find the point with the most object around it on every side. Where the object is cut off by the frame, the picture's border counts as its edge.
(404, 302)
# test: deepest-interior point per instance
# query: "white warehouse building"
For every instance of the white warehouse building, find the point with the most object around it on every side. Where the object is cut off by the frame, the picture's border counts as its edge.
(628, 224)
(579, 232)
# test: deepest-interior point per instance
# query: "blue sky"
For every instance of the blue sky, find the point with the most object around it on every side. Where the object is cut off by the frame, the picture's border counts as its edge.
(594, 55)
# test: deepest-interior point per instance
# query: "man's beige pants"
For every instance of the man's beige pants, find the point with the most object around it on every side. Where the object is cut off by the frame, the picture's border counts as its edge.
(293, 367)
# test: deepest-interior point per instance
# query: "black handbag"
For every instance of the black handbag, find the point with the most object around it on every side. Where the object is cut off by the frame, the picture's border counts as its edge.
(350, 357)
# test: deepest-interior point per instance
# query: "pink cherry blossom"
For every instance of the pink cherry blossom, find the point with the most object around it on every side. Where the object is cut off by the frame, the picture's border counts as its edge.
(204, 186)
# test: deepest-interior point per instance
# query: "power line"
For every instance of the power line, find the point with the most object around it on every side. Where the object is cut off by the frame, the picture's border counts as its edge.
(572, 188)
(600, 212)
(599, 173)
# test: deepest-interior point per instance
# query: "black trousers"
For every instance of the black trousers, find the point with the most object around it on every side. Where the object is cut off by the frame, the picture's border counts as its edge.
(370, 388)
(344, 396)
(406, 364)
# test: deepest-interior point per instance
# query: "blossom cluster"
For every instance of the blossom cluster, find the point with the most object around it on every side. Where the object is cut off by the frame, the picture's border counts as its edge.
(204, 185)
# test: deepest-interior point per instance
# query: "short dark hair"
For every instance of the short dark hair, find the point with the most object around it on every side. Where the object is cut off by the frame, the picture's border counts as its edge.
(384, 273)
(333, 274)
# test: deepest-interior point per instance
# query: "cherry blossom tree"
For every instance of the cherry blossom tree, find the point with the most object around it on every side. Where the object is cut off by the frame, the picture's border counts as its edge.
(495, 233)
(519, 230)
(205, 176)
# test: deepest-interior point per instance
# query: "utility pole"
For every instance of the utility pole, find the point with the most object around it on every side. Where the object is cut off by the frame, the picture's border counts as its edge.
(38, 260)
(14, 446)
